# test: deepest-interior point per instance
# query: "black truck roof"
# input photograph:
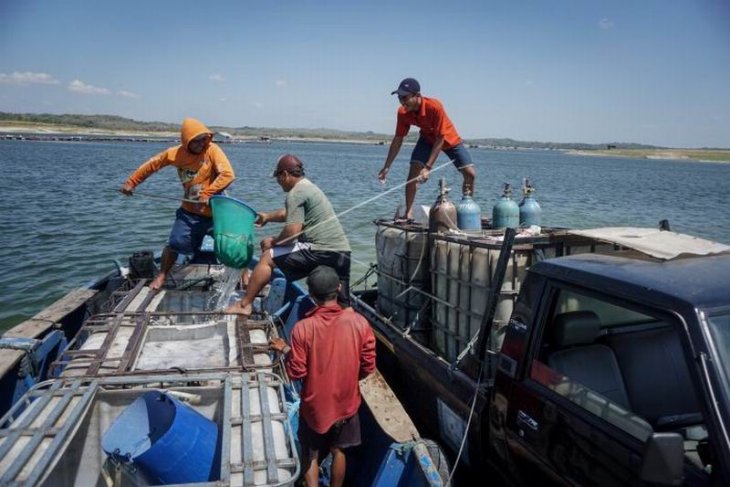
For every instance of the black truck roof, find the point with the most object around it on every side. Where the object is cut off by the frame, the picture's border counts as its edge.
(701, 282)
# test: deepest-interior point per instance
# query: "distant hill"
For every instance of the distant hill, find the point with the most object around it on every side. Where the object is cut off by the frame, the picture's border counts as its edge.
(113, 122)
(558, 145)
(105, 122)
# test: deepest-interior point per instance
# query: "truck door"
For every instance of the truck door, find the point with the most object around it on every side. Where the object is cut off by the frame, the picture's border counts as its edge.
(571, 418)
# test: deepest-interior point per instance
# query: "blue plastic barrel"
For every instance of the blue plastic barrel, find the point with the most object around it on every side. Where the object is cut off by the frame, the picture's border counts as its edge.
(170, 441)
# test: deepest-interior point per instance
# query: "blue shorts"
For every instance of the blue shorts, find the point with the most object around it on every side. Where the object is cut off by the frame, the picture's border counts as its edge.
(458, 154)
(188, 231)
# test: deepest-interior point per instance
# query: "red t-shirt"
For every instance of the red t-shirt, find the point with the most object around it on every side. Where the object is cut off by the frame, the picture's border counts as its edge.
(331, 349)
(433, 121)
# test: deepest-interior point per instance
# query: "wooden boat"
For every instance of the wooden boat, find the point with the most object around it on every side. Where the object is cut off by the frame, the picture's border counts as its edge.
(72, 371)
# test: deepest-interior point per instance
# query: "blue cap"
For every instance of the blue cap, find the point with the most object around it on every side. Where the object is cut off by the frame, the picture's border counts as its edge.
(408, 86)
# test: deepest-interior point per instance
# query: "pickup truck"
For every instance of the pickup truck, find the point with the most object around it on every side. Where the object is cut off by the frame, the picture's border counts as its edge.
(613, 368)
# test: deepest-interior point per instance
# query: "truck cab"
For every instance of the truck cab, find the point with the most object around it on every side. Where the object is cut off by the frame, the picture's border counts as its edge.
(614, 371)
(572, 357)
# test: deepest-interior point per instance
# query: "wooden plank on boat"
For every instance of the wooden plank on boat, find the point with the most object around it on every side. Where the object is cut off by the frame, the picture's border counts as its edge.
(8, 360)
(45, 320)
(42, 322)
(387, 409)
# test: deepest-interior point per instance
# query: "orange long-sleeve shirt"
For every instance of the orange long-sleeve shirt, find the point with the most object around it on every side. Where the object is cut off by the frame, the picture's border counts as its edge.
(203, 174)
(331, 349)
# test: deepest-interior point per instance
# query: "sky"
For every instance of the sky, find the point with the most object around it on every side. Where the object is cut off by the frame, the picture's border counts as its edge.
(644, 71)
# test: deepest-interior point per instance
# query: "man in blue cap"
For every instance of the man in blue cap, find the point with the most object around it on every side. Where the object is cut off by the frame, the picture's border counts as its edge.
(437, 134)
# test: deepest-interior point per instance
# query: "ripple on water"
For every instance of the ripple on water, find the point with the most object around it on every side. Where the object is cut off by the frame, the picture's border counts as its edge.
(65, 235)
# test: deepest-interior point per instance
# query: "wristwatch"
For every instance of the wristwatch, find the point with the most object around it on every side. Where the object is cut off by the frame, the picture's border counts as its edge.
(286, 349)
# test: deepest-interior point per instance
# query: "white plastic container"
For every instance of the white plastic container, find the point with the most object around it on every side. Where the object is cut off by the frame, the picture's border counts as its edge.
(463, 272)
(402, 271)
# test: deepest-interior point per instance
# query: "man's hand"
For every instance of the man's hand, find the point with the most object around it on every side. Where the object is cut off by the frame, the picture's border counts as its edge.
(261, 219)
(203, 199)
(383, 174)
(267, 243)
(279, 345)
(127, 189)
(423, 175)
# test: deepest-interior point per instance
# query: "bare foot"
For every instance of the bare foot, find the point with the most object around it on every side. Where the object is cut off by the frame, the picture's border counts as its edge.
(158, 282)
(238, 308)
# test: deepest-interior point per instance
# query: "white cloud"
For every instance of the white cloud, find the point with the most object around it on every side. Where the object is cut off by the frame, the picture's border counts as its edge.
(217, 77)
(281, 82)
(127, 94)
(605, 23)
(27, 78)
(221, 99)
(78, 86)
(258, 104)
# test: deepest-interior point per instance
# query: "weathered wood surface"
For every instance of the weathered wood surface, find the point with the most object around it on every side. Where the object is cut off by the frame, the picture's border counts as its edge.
(42, 322)
(387, 409)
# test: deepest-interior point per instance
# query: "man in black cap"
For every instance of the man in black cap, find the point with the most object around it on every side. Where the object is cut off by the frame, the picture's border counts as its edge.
(312, 236)
(437, 134)
(331, 350)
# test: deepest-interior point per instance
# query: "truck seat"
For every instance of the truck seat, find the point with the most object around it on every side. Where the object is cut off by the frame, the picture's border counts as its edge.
(657, 377)
(576, 355)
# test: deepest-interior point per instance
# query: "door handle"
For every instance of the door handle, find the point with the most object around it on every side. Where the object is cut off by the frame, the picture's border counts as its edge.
(524, 419)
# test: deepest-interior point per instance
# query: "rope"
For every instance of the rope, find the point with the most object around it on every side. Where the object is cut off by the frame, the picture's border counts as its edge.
(468, 423)
(159, 197)
(367, 201)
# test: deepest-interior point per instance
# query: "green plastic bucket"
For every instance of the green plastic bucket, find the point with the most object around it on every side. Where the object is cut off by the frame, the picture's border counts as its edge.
(233, 231)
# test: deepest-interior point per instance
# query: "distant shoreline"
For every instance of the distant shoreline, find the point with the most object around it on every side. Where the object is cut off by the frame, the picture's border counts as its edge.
(76, 134)
(687, 155)
(66, 133)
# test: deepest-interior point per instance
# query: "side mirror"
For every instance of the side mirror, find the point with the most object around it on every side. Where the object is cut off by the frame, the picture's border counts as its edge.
(663, 460)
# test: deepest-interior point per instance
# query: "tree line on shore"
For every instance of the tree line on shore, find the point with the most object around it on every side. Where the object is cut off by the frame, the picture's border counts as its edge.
(117, 123)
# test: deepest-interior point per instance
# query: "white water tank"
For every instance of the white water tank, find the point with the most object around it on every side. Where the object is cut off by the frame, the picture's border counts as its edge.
(403, 266)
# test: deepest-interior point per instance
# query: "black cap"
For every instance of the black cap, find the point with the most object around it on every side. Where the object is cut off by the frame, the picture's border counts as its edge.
(288, 162)
(408, 86)
(322, 282)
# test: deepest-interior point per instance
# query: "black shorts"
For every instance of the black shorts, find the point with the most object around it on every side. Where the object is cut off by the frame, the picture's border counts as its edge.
(342, 434)
(298, 263)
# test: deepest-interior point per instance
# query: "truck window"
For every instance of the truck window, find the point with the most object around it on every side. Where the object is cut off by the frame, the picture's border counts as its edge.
(720, 331)
(609, 314)
(623, 366)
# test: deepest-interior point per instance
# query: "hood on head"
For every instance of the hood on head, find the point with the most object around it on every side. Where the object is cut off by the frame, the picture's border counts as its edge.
(191, 128)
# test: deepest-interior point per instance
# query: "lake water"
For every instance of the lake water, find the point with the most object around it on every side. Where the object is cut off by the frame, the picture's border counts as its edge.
(62, 225)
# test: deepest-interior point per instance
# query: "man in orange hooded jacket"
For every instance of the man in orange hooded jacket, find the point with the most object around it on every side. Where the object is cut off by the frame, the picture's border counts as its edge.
(204, 170)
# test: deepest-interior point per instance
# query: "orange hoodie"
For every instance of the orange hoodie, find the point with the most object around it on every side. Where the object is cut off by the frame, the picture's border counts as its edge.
(207, 173)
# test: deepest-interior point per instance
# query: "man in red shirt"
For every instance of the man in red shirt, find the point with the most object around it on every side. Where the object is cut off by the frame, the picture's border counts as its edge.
(331, 350)
(437, 134)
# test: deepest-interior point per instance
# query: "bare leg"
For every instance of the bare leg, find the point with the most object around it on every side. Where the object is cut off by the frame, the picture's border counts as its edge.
(469, 174)
(259, 278)
(168, 259)
(245, 277)
(338, 467)
(411, 188)
(311, 474)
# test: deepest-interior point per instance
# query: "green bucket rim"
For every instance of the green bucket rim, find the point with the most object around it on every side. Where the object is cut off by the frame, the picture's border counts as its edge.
(223, 197)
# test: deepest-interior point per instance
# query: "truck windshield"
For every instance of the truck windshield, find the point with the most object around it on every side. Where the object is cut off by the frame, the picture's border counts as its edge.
(720, 331)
